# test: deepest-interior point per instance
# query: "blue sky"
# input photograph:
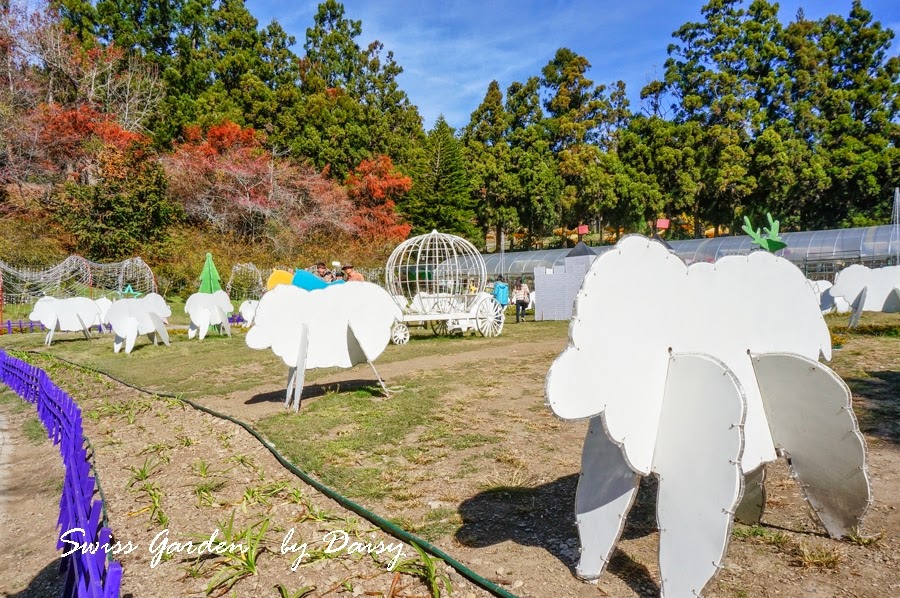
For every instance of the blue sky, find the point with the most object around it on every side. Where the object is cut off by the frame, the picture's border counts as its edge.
(451, 50)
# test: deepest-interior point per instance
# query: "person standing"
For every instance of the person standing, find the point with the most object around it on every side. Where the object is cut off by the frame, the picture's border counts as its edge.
(521, 295)
(501, 292)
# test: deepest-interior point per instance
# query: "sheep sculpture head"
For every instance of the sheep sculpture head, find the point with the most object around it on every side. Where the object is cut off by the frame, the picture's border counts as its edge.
(338, 326)
(701, 375)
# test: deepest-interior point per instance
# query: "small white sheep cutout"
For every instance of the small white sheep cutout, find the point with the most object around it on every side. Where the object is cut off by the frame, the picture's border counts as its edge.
(248, 312)
(131, 317)
(208, 309)
(828, 303)
(74, 314)
(868, 289)
(339, 326)
(698, 375)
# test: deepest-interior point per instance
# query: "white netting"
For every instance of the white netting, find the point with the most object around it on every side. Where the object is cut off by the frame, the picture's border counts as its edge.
(73, 277)
(245, 282)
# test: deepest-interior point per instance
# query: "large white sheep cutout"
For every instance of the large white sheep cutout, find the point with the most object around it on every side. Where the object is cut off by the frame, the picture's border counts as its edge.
(339, 326)
(698, 375)
(868, 289)
(132, 317)
(208, 309)
(74, 314)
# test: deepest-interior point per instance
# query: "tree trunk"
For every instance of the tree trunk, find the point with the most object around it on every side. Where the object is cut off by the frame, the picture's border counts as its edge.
(696, 214)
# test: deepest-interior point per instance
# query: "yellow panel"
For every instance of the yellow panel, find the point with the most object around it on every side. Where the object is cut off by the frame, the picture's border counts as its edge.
(279, 277)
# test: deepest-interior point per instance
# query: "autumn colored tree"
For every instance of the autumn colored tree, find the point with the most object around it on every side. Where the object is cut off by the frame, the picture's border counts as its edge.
(227, 179)
(374, 187)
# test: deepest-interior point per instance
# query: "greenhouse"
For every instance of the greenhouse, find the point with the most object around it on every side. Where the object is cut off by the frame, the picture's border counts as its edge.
(818, 253)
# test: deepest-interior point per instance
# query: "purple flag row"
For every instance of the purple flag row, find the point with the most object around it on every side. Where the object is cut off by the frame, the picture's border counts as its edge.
(87, 571)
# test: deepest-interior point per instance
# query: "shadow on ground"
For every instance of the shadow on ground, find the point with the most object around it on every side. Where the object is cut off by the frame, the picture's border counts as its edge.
(312, 391)
(48, 582)
(877, 405)
(544, 516)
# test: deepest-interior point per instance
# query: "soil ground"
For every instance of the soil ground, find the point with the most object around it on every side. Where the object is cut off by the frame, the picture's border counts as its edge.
(479, 467)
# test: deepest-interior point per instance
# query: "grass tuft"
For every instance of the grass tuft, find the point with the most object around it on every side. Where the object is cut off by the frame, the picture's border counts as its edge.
(821, 556)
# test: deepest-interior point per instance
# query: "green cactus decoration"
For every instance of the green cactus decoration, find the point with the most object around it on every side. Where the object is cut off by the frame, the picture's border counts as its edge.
(210, 282)
(771, 242)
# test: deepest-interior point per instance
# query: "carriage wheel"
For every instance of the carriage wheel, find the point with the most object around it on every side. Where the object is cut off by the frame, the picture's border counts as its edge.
(489, 317)
(440, 327)
(442, 306)
(400, 334)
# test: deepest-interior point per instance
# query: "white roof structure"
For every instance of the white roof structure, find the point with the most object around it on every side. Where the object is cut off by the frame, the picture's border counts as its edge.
(869, 243)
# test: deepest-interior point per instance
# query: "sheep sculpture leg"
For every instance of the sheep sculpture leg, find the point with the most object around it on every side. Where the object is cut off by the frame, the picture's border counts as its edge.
(381, 383)
(811, 418)
(606, 490)
(225, 326)
(753, 504)
(50, 330)
(85, 329)
(297, 374)
(160, 328)
(697, 460)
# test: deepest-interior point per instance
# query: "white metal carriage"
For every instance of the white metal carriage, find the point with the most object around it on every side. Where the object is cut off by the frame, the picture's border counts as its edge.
(439, 279)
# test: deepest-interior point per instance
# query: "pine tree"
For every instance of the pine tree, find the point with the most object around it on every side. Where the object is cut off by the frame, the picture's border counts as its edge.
(439, 199)
(487, 153)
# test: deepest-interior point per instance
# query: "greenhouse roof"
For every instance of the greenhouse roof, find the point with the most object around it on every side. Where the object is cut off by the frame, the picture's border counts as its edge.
(869, 243)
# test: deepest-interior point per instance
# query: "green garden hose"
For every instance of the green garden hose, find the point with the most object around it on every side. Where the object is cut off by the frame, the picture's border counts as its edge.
(345, 502)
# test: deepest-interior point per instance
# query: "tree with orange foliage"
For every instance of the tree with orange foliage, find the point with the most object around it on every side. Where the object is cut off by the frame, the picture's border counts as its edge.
(375, 186)
(226, 178)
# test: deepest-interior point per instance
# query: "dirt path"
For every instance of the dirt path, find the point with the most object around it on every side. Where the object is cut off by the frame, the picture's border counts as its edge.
(267, 400)
(29, 505)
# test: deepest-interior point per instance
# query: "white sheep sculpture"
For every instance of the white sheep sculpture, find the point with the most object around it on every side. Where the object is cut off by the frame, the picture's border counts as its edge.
(208, 309)
(73, 314)
(132, 317)
(868, 289)
(339, 326)
(701, 375)
(248, 312)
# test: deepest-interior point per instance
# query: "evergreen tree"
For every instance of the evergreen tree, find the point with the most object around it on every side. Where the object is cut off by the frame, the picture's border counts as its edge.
(333, 58)
(352, 103)
(439, 199)
(487, 155)
(537, 194)
(574, 104)
(235, 53)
